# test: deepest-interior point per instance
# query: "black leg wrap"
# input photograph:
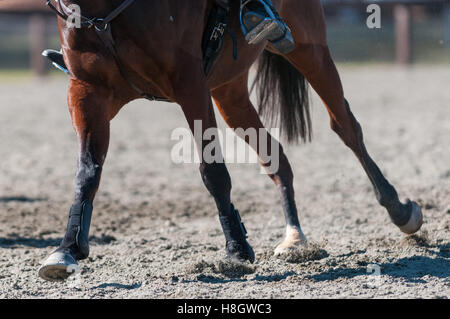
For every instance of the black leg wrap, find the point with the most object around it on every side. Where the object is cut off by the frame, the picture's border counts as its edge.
(77, 234)
(235, 233)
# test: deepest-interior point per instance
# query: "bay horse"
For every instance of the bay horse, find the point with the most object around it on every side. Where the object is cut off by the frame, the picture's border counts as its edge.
(159, 45)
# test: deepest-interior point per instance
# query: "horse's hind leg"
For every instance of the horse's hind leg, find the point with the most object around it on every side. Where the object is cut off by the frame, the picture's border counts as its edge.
(90, 109)
(236, 108)
(315, 62)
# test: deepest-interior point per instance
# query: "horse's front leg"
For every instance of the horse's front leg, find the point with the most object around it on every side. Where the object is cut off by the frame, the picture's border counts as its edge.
(90, 111)
(234, 103)
(192, 93)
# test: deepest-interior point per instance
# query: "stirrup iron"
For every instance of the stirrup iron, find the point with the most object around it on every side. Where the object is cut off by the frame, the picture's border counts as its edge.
(260, 21)
(57, 60)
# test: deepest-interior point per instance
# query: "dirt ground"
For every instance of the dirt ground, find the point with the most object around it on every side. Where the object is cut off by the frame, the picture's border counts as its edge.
(155, 232)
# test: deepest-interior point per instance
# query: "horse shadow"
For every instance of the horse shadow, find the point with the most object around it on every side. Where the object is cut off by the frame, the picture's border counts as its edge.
(21, 199)
(118, 286)
(411, 269)
(16, 241)
(210, 279)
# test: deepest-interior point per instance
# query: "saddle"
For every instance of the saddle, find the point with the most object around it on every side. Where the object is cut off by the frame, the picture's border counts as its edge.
(213, 36)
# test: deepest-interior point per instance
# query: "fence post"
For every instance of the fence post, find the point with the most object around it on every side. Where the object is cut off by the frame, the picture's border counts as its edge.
(37, 44)
(447, 25)
(402, 16)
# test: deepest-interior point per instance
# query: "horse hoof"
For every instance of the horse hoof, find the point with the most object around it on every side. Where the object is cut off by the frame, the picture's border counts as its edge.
(58, 267)
(288, 247)
(415, 221)
(294, 240)
(240, 252)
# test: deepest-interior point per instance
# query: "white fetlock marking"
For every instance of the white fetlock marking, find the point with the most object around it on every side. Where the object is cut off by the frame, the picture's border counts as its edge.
(294, 233)
(415, 221)
(294, 238)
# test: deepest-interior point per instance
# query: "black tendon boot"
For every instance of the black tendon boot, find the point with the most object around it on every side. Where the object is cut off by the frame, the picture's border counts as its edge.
(237, 246)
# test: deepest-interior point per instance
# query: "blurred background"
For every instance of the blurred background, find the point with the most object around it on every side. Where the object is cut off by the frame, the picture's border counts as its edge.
(411, 31)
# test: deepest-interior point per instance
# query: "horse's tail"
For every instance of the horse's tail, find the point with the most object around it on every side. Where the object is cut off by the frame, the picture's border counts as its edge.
(283, 97)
